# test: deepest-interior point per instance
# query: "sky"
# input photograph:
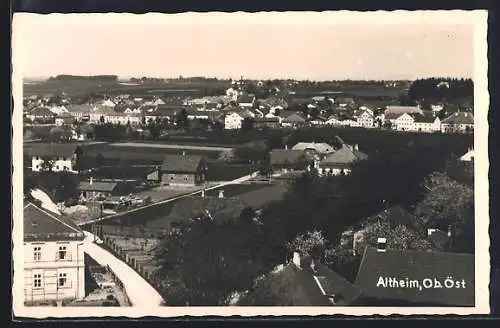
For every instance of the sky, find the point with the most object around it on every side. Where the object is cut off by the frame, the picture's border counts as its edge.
(250, 46)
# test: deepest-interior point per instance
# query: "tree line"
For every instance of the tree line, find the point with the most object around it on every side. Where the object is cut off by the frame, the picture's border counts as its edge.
(84, 77)
(441, 89)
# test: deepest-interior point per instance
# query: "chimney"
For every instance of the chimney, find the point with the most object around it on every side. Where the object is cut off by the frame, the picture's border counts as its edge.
(296, 259)
(221, 193)
(183, 153)
(381, 244)
(91, 180)
(356, 147)
(286, 147)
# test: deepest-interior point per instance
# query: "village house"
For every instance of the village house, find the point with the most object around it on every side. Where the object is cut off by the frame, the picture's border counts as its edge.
(41, 114)
(287, 159)
(233, 121)
(99, 114)
(54, 269)
(124, 118)
(333, 120)
(314, 284)
(426, 123)
(246, 101)
(404, 122)
(58, 110)
(183, 170)
(340, 161)
(64, 119)
(81, 112)
(102, 189)
(55, 156)
(294, 120)
(267, 123)
(394, 216)
(380, 264)
(459, 122)
(365, 119)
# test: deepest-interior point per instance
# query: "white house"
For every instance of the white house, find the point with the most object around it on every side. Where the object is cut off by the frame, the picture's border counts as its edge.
(365, 119)
(404, 122)
(64, 119)
(55, 156)
(427, 124)
(233, 121)
(246, 101)
(54, 269)
(233, 93)
(458, 122)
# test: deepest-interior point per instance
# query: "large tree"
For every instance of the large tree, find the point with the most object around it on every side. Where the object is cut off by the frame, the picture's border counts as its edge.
(444, 201)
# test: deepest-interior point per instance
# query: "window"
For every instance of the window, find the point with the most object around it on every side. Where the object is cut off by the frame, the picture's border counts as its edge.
(61, 254)
(171, 178)
(37, 253)
(37, 280)
(62, 280)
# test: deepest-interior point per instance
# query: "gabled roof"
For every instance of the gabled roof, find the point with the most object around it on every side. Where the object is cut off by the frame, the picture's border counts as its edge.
(403, 109)
(80, 109)
(342, 156)
(416, 265)
(97, 186)
(295, 118)
(246, 99)
(54, 149)
(294, 286)
(285, 156)
(396, 215)
(320, 147)
(459, 118)
(41, 111)
(181, 163)
(43, 225)
(424, 118)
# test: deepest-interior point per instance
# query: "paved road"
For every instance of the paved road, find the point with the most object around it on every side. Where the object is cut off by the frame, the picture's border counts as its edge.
(139, 291)
(186, 147)
(114, 216)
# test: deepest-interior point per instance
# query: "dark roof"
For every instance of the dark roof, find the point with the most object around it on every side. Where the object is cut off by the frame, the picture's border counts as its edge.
(43, 225)
(285, 156)
(395, 216)
(343, 156)
(460, 118)
(97, 186)
(247, 99)
(293, 286)
(423, 118)
(417, 265)
(266, 120)
(295, 118)
(80, 109)
(41, 111)
(181, 163)
(54, 149)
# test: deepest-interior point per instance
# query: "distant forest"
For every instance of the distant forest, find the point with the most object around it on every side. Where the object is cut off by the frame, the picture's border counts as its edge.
(441, 88)
(80, 77)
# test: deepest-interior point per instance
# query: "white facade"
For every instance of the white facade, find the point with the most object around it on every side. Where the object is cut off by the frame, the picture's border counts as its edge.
(434, 126)
(232, 121)
(468, 157)
(123, 119)
(366, 119)
(404, 123)
(54, 271)
(60, 163)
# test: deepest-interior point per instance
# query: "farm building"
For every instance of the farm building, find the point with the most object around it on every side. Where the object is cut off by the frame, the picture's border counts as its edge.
(96, 189)
(183, 169)
(55, 156)
(340, 161)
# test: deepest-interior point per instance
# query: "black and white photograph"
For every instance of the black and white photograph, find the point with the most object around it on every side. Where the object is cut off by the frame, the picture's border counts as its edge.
(305, 163)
